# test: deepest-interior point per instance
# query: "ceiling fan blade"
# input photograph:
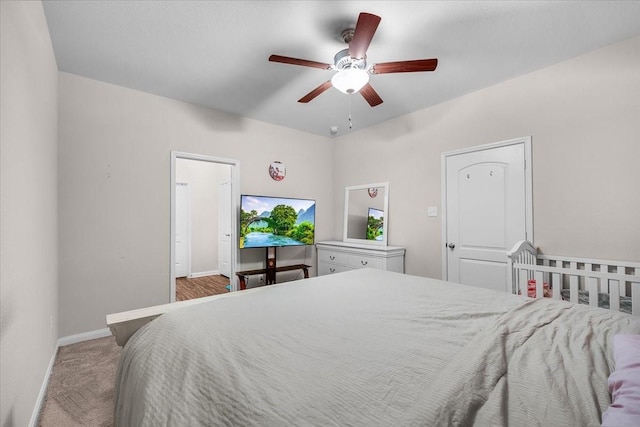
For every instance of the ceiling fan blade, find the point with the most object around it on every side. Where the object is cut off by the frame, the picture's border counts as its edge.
(317, 91)
(371, 95)
(296, 61)
(405, 66)
(362, 35)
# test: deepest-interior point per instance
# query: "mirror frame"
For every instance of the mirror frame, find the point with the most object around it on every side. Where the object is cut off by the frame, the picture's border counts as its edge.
(385, 227)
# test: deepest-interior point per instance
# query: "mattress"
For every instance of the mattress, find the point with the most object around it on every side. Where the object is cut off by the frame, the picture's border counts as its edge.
(603, 300)
(370, 348)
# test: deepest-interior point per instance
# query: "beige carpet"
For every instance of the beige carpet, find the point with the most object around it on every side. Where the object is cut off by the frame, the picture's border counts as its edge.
(81, 388)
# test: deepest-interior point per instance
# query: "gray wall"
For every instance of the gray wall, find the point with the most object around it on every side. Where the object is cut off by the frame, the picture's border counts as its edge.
(28, 208)
(115, 146)
(582, 115)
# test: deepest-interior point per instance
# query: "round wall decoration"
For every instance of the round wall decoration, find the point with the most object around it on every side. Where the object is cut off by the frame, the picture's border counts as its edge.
(373, 192)
(277, 171)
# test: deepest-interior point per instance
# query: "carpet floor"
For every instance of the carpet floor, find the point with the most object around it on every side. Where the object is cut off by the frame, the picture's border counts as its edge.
(81, 387)
(82, 384)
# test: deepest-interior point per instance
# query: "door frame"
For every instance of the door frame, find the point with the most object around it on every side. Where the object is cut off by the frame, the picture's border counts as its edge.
(188, 223)
(235, 205)
(528, 176)
(221, 208)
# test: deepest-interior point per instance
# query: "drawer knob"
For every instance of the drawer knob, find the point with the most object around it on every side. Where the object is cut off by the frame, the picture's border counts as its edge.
(332, 270)
(331, 257)
(363, 262)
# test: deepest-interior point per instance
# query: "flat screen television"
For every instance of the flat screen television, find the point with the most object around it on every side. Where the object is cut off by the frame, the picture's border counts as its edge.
(375, 222)
(276, 221)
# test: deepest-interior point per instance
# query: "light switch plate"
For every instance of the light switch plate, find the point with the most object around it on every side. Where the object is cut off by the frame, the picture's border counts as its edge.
(432, 211)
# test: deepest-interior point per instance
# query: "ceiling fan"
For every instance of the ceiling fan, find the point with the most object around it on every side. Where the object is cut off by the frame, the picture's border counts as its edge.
(351, 64)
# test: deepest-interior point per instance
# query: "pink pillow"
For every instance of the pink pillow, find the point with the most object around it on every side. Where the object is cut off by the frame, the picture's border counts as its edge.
(624, 383)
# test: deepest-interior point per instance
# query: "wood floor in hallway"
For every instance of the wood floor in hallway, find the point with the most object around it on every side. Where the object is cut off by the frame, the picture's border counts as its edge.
(199, 287)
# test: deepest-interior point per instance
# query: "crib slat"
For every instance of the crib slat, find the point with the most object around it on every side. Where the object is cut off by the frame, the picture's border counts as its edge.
(539, 284)
(592, 287)
(523, 277)
(601, 283)
(556, 284)
(604, 284)
(623, 285)
(547, 263)
(531, 259)
(635, 294)
(587, 267)
(573, 287)
(614, 294)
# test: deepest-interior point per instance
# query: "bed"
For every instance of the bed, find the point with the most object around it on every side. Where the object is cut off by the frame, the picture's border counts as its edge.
(370, 348)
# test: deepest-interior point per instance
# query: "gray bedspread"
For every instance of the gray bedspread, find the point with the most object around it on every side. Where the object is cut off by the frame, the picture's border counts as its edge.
(370, 348)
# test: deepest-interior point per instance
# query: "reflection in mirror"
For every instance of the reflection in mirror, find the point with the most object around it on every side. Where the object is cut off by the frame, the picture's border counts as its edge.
(375, 222)
(365, 210)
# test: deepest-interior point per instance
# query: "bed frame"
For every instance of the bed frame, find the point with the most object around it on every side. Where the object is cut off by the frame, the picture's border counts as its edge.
(599, 283)
(126, 323)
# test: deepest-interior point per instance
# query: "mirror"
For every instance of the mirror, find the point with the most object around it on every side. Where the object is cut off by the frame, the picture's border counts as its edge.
(366, 209)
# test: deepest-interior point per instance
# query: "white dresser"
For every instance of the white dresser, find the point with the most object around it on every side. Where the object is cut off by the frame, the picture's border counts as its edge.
(336, 256)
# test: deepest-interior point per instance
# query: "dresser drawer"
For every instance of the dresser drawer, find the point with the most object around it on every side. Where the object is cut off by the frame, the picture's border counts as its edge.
(327, 268)
(363, 261)
(349, 259)
(333, 257)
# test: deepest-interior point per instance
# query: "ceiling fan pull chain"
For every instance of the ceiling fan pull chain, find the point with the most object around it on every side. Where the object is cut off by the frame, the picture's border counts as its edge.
(350, 124)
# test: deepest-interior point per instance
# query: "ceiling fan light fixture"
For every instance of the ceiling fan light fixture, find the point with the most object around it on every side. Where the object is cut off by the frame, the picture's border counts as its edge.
(350, 80)
(350, 64)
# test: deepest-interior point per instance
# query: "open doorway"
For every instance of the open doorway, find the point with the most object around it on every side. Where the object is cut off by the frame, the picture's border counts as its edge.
(203, 223)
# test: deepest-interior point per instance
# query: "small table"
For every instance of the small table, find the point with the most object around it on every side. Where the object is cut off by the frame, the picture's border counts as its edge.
(243, 274)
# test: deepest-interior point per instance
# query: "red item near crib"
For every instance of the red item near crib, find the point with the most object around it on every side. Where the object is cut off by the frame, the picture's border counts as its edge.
(531, 289)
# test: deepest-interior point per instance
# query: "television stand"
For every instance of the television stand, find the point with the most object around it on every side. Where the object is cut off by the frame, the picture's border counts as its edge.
(242, 275)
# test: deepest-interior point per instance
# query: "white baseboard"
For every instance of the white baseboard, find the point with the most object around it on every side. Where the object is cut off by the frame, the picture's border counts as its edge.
(35, 415)
(85, 336)
(204, 273)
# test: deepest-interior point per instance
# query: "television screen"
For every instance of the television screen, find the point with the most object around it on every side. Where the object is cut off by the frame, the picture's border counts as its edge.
(375, 222)
(276, 221)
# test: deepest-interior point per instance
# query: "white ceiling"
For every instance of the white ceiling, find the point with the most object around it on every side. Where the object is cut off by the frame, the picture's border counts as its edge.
(214, 53)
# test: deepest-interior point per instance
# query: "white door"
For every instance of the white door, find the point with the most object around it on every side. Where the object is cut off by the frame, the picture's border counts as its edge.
(183, 233)
(224, 229)
(486, 200)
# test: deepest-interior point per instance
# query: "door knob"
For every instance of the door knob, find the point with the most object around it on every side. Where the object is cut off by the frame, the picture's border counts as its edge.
(451, 245)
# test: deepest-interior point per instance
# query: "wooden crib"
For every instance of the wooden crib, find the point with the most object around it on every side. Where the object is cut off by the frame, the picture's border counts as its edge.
(613, 285)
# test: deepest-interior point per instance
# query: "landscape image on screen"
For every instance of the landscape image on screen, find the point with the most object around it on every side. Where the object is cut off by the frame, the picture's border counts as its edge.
(276, 221)
(375, 221)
